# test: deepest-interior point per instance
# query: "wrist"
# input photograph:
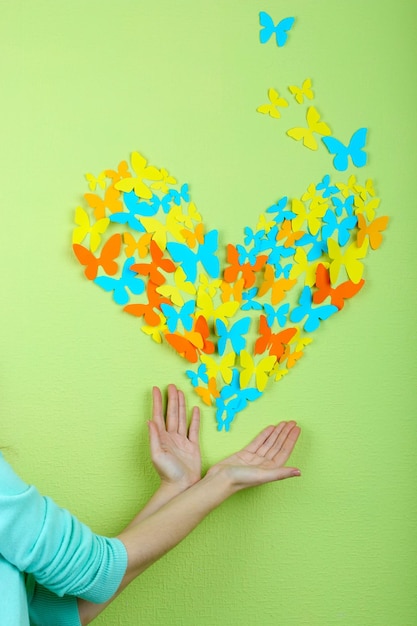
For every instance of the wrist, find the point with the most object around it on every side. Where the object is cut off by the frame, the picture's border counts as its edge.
(173, 488)
(221, 478)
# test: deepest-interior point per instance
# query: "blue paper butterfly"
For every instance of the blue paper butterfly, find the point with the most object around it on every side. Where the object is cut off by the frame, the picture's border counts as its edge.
(343, 228)
(136, 206)
(200, 374)
(328, 189)
(234, 334)
(250, 302)
(183, 194)
(279, 210)
(314, 315)
(205, 254)
(184, 315)
(347, 205)
(128, 280)
(279, 314)
(318, 246)
(354, 150)
(248, 256)
(253, 237)
(238, 400)
(268, 28)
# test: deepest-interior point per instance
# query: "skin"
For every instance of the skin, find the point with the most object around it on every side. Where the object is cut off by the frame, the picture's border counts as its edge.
(184, 498)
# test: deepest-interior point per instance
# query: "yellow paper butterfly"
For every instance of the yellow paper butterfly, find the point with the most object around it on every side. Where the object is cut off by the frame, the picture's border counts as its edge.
(93, 181)
(84, 227)
(192, 216)
(275, 101)
(156, 332)
(265, 223)
(174, 291)
(262, 370)
(142, 171)
(208, 310)
(315, 125)
(209, 286)
(368, 209)
(162, 185)
(278, 371)
(312, 217)
(348, 258)
(349, 188)
(224, 367)
(367, 190)
(160, 231)
(305, 91)
(314, 196)
(302, 264)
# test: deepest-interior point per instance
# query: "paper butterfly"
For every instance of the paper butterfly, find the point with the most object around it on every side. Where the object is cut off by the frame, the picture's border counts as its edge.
(354, 150)
(314, 125)
(268, 28)
(246, 321)
(305, 91)
(275, 101)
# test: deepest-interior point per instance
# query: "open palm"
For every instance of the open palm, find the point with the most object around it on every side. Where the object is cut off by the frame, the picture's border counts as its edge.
(264, 459)
(175, 449)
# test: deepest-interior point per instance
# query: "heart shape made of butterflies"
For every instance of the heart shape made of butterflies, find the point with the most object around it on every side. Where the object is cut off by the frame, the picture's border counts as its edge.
(141, 239)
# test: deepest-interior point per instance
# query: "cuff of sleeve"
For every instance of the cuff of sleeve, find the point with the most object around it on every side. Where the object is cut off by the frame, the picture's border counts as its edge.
(47, 609)
(109, 575)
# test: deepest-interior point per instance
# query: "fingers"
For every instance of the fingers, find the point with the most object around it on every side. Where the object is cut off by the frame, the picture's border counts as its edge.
(194, 430)
(172, 410)
(272, 440)
(182, 415)
(259, 440)
(157, 411)
(282, 450)
(176, 413)
(276, 443)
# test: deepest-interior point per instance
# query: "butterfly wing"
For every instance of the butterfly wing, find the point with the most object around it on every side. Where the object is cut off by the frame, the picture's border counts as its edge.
(187, 259)
(356, 147)
(281, 30)
(183, 346)
(341, 153)
(186, 314)
(87, 258)
(207, 254)
(267, 27)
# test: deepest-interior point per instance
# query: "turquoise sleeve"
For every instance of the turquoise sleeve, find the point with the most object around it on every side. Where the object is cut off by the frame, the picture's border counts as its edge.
(62, 554)
(47, 609)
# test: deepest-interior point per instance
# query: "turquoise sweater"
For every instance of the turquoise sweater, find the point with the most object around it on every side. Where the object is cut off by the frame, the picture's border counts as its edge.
(48, 558)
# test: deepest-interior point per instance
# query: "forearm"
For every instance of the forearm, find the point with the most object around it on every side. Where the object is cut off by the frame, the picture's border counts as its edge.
(164, 494)
(148, 539)
(154, 536)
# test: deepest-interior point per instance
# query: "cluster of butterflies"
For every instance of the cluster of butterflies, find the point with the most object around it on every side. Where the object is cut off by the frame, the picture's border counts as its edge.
(343, 153)
(141, 239)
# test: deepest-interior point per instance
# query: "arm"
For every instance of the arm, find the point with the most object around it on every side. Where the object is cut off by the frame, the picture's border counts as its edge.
(175, 449)
(148, 539)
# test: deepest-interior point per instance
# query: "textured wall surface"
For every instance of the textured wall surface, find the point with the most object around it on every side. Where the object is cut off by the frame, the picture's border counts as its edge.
(83, 84)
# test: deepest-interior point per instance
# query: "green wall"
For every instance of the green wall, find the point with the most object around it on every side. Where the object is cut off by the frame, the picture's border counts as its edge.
(83, 84)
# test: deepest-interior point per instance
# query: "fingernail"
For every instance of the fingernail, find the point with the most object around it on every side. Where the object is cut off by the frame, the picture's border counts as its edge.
(296, 473)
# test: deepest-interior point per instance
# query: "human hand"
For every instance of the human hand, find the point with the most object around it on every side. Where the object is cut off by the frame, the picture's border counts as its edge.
(175, 450)
(263, 460)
